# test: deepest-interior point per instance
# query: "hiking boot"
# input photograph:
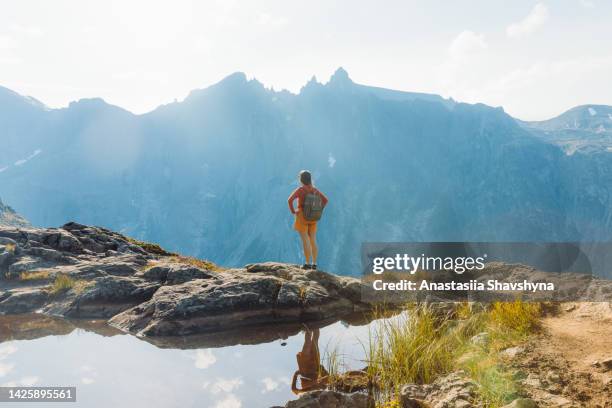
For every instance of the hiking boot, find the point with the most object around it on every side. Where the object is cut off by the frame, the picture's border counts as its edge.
(313, 266)
(307, 266)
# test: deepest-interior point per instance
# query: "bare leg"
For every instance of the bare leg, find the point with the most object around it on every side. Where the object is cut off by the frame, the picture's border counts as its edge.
(312, 237)
(306, 246)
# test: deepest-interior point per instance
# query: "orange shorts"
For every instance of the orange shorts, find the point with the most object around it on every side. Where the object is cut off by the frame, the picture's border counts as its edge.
(301, 225)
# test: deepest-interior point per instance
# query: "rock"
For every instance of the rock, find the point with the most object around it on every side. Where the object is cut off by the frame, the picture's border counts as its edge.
(5, 258)
(452, 390)
(570, 308)
(45, 254)
(7, 241)
(481, 339)
(103, 298)
(511, 352)
(330, 399)
(522, 403)
(533, 381)
(23, 301)
(149, 291)
(271, 293)
(605, 364)
(178, 273)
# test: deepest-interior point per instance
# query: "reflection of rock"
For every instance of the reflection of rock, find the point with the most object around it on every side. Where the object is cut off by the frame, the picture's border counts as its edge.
(34, 326)
(330, 399)
(247, 335)
(149, 291)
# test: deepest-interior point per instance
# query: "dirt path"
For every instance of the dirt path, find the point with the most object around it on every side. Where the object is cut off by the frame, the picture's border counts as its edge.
(559, 364)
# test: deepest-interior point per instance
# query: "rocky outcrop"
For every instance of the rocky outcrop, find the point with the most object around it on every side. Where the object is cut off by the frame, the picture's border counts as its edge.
(257, 294)
(9, 218)
(79, 271)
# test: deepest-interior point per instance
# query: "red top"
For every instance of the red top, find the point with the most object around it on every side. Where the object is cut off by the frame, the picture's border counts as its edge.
(300, 193)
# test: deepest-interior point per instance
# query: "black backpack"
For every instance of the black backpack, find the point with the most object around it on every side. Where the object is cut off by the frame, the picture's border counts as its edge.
(313, 206)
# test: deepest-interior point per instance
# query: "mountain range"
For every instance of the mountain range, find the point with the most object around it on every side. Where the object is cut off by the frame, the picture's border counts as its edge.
(210, 175)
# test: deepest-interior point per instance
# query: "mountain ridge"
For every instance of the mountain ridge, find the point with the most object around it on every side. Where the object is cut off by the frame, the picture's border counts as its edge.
(210, 176)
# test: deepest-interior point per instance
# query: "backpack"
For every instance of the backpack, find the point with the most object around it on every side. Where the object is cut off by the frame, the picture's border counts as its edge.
(313, 206)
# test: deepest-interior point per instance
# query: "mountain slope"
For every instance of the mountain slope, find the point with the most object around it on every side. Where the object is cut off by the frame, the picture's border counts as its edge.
(586, 128)
(9, 218)
(210, 176)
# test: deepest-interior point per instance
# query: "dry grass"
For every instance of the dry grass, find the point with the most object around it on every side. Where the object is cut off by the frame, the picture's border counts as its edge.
(422, 344)
(10, 248)
(198, 263)
(520, 317)
(150, 247)
(63, 283)
(35, 275)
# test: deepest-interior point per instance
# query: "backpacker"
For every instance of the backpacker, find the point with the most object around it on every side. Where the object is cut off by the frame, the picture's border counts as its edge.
(313, 206)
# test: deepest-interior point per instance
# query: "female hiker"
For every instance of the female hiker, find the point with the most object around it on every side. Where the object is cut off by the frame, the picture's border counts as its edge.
(311, 373)
(310, 208)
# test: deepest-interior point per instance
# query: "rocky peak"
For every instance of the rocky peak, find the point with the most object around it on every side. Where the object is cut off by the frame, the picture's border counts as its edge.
(340, 76)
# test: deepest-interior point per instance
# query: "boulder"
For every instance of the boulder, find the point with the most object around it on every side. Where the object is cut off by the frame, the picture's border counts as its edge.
(330, 399)
(258, 294)
(522, 403)
(452, 390)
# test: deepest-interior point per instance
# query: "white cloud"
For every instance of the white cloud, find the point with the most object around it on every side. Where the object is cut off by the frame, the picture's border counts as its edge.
(534, 20)
(331, 160)
(87, 380)
(7, 42)
(7, 350)
(30, 157)
(267, 19)
(6, 368)
(466, 43)
(204, 359)
(225, 385)
(587, 3)
(269, 385)
(231, 401)
(30, 31)
(29, 381)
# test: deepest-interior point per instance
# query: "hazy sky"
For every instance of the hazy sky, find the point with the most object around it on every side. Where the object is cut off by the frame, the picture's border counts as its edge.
(536, 59)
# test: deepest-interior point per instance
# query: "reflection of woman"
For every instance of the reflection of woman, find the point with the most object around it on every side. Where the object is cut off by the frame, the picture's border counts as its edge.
(312, 374)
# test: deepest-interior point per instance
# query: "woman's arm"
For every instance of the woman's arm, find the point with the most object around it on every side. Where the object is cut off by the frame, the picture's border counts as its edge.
(294, 383)
(291, 199)
(324, 198)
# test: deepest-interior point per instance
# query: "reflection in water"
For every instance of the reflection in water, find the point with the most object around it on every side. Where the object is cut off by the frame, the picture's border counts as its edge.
(248, 368)
(310, 371)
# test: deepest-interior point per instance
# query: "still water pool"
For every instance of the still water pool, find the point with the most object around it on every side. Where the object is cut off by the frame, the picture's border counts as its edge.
(252, 368)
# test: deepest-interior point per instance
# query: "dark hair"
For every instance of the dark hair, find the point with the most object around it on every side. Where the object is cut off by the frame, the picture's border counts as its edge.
(305, 177)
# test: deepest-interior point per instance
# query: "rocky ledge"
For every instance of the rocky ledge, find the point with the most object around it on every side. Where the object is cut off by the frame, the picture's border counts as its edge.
(79, 271)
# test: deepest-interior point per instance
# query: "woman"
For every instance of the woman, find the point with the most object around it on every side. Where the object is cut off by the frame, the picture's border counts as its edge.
(311, 373)
(306, 229)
